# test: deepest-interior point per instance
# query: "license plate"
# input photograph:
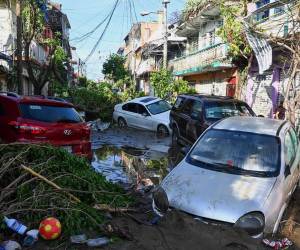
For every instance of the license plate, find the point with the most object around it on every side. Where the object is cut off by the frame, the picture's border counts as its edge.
(67, 148)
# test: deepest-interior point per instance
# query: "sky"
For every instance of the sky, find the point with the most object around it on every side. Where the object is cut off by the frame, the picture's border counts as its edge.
(85, 15)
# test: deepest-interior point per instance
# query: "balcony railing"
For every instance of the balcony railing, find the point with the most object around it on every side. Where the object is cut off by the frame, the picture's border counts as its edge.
(196, 61)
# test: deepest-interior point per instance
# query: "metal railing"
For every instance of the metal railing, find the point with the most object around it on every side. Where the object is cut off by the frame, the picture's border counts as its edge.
(200, 58)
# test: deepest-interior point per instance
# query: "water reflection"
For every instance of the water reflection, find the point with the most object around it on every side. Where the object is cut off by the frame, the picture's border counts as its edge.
(130, 165)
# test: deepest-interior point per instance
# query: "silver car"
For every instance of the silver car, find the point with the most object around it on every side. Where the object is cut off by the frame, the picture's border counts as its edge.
(242, 171)
(150, 113)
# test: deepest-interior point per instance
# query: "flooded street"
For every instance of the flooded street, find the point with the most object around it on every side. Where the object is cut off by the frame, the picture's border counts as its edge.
(133, 157)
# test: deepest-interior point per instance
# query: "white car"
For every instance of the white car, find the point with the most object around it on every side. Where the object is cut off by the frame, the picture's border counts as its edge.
(150, 113)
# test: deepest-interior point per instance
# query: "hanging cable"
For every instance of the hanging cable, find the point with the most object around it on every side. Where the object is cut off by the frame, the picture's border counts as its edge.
(104, 31)
(87, 35)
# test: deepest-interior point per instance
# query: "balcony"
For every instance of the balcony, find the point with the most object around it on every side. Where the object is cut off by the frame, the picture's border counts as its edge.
(211, 58)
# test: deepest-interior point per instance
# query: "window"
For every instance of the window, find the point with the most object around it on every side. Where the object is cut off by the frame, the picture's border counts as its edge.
(196, 109)
(142, 109)
(179, 103)
(159, 107)
(220, 110)
(188, 106)
(2, 112)
(130, 107)
(289, 149)
(46, 113)
(295, 140)
(230, 151)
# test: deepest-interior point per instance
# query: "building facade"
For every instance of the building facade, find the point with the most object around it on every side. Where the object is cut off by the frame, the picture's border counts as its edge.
(143, 50)
(38, 51)
(264, 91)
(205, 63)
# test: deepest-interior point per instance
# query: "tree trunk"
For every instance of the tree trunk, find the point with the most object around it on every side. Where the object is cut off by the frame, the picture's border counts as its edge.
(38, 90)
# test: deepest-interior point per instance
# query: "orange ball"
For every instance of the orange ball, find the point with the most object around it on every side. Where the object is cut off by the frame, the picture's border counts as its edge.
(50, 228)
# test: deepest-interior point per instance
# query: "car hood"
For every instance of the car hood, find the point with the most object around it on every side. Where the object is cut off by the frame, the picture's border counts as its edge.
(215, 195)
(164, 117)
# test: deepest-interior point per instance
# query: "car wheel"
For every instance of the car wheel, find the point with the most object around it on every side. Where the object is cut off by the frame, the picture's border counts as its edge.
(122, 123)
(162, 130)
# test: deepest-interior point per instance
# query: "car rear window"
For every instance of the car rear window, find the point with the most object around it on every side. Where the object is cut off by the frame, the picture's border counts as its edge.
(238, 153)
(220, 110)
(51, 114)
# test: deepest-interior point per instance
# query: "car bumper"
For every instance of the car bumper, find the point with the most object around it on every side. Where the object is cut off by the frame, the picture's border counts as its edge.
(78, 148)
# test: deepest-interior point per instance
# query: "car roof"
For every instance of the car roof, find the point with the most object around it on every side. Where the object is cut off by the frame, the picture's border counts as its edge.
(204, 97)
(255, 125)
(42, 100)
(146, 100)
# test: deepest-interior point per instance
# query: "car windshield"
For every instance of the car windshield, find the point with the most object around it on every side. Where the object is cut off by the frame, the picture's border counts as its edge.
(237, 153)
(45, 113)
(158, 107)
(219, 110)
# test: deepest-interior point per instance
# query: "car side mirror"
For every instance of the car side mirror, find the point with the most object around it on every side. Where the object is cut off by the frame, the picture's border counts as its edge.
(287, 170)
(185, 150)
(145, 114)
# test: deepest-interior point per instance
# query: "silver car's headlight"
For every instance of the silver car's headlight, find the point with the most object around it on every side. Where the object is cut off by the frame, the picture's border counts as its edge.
(252, 223)
(160, 200)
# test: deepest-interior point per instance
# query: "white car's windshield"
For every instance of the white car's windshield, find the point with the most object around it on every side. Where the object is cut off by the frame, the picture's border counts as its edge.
(237, 152)
(158, 107)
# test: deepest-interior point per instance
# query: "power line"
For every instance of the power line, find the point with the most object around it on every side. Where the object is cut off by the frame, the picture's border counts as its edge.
(88, 34)
(104, 31)
(134, 10)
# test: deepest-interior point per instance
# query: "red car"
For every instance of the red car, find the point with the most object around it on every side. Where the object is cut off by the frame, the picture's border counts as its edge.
(38, 119)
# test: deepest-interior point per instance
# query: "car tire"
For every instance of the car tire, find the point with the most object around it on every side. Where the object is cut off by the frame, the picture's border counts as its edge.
(162, 130)
(122, 123)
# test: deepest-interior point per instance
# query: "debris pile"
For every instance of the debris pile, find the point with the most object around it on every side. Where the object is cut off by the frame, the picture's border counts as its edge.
(39, 181)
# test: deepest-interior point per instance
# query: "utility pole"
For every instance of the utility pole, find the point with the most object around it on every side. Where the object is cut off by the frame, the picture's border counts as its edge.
(19, 50)
(165, 55)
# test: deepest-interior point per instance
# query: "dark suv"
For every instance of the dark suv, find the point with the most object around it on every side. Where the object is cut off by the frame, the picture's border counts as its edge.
(191, 115)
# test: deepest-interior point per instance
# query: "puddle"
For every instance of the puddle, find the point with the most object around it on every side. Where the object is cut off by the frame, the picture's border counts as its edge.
(132, 157)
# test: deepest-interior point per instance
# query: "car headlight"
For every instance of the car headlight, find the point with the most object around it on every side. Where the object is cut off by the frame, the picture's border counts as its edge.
(252, 223)
(160, 200)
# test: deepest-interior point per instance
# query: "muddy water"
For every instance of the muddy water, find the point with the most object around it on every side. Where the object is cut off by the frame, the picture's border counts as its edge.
(133, 157)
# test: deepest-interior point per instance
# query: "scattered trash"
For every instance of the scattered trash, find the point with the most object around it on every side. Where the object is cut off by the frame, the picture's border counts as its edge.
(50, 228)
(15, 225)
(145, 186)
(32, 237)
(78, 239)
(98, 125)
(100, 242)
(11, 245)
(280, 244)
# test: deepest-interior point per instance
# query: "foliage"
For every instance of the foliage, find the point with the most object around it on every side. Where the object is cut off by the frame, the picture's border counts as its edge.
(97, 98)
(166, 87)
(33, 30)
(31, 199)
(128, 88)
(114, 68)
(232, 30)
(192, 7)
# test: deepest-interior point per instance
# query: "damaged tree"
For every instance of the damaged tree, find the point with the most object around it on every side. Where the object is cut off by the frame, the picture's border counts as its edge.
(40, 73)
(39, 181)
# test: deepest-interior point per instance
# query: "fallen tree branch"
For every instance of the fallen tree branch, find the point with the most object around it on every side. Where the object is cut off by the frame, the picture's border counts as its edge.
(48, 182)
(106, 208)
